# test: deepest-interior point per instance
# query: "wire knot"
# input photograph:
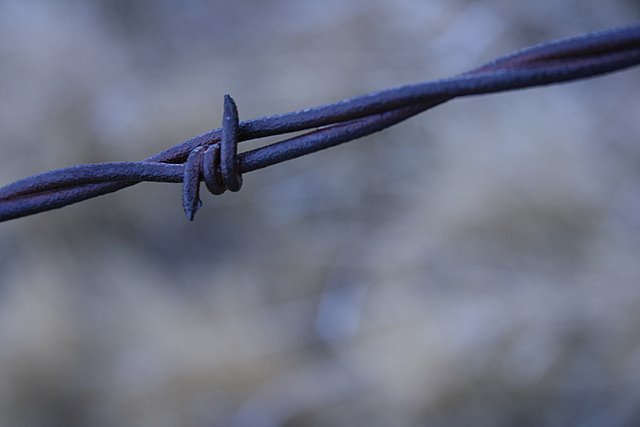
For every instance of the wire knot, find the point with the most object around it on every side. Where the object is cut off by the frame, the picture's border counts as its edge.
(217, 164)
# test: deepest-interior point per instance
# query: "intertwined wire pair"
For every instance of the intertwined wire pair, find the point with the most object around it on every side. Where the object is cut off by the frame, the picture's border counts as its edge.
(213, 158)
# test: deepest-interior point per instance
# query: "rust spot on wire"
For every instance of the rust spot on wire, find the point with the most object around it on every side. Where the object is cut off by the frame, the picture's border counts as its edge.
(213, 156)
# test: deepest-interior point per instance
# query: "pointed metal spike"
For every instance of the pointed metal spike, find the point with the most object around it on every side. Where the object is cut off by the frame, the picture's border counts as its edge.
(191, 183)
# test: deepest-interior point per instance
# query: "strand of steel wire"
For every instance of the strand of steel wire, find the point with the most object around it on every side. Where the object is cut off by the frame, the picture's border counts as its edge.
(559, 61)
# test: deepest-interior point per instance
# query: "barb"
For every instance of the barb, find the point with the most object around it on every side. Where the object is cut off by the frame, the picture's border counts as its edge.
(213, 157)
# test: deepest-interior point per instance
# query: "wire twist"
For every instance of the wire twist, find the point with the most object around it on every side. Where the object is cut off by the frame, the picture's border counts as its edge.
(217, 165)
(213, 156)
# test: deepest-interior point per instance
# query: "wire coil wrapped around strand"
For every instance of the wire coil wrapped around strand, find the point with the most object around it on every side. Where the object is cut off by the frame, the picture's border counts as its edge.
(213, 156)
(216, 165)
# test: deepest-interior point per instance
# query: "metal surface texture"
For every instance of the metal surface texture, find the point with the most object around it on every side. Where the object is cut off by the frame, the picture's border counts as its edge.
(213, 156)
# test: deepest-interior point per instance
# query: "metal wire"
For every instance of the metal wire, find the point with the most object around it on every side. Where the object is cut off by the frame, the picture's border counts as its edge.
(213, 157)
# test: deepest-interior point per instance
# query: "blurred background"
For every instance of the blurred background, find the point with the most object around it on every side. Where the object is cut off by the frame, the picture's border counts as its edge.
(475, 265)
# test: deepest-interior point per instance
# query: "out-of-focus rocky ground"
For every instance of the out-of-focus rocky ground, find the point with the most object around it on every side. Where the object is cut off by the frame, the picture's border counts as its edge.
(476, 265)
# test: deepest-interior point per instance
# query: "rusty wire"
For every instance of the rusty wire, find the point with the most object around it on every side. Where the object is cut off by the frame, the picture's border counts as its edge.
(213, 158)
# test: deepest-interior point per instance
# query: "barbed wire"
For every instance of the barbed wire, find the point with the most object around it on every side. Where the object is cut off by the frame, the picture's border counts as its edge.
(213, 156)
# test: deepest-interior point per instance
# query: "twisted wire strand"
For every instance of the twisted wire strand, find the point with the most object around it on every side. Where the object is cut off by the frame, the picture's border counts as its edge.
(213, 157)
